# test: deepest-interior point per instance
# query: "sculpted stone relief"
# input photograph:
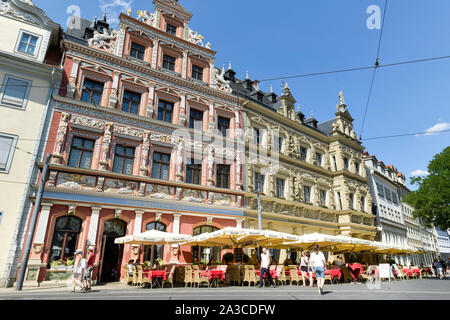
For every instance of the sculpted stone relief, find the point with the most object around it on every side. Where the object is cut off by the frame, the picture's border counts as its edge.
(104, 41)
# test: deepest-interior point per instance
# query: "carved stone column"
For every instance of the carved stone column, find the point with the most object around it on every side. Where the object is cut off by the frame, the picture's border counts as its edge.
(114, 90)
(151, 102)
(212, 121)
(175, 230)
(60, 139)
(41, 229)
(212, 74)
(155, 53)
(93, 226)
(106, 144)
(120, 40)
(145, 154)
(183, 110)
(185, 64)
(72, 85)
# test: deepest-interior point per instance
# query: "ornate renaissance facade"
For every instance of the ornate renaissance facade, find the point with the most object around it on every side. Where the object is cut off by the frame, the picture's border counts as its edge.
(311, 175)
(142, 136)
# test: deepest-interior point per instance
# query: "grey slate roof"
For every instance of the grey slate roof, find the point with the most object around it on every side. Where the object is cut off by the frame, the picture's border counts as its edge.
(326, 127)
(79, 32)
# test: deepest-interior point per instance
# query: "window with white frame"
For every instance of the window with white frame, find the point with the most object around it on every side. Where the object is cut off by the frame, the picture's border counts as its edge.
(259, 182)
(307, 194)
(319, 158)
(303, 153)
(28, 43)
(15, 92)
(323, 197)
(7, 145)
(280, 187)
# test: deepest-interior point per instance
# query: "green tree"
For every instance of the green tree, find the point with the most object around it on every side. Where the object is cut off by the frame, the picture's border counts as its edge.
(431, 200)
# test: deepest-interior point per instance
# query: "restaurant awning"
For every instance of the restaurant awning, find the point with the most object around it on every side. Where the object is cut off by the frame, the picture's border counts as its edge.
(153, 237)
(237, 237)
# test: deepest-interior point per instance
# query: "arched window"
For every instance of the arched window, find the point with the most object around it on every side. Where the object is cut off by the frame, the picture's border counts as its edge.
(205, 253)
(65, 237)
(154, 252)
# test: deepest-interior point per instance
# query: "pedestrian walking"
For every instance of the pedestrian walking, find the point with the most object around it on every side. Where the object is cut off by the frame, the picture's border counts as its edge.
(265, 262)
(438, 266)
(90, 268)
(78, 270)
(310, 270)
(318, 262)
(304, 261)
(444, 267)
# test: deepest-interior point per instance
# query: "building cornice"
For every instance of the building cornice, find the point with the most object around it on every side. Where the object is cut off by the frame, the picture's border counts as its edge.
(148, 71)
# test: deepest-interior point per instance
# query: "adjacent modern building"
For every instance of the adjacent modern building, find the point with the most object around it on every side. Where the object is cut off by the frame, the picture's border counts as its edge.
(395, 221)
(443, 242)
(29, 67)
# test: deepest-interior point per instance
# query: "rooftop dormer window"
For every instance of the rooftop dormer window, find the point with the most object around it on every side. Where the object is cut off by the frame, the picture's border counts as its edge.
(259, 96)
(249, 86)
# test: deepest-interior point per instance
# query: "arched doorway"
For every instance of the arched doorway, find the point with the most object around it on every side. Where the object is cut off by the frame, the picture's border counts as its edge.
(111, 254)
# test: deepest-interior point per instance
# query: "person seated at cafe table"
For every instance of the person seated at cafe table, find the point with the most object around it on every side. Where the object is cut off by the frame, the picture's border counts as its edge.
(339, 262)
(130, 267)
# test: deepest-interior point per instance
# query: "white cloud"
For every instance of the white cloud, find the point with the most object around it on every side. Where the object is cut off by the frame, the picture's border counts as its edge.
(113, 9)
(419, 173)
(438, 127)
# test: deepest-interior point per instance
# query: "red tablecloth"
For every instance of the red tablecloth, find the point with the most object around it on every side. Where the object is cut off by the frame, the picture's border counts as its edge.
(273, 274)
(355, 270)
(158, 274)
(334, 273)
(216, 274)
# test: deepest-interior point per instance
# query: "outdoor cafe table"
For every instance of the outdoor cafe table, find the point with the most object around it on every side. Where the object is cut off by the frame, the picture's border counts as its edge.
(154, 276)
(355, 270)
(214, 275)
(410, 272)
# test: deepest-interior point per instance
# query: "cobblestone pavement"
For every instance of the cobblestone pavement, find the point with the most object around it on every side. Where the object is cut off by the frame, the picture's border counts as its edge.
(419, 289)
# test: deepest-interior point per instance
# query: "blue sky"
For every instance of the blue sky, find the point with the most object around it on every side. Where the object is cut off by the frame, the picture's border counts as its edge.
(289, 37)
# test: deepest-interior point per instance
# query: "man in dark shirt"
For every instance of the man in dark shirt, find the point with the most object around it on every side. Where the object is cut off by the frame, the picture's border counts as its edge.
(90, 267)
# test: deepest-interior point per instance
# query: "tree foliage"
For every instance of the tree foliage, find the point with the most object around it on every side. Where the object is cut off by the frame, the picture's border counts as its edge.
(431, 200)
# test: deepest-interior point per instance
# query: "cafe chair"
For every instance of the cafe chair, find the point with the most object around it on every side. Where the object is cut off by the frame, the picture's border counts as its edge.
(170, 276)
(198, 279)
(281, 275)
(141, 280)
(188, 279)
(247, 276)
(135, 276)
(127, 279)
(293, 275)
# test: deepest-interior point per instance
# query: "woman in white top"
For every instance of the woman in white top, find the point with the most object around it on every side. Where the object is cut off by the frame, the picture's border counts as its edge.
(78, 269)
(304, 262)
(318, 262)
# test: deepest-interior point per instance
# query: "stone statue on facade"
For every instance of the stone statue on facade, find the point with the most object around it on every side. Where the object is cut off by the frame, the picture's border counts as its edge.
(104, 40)
(146, 17)
(222, 84)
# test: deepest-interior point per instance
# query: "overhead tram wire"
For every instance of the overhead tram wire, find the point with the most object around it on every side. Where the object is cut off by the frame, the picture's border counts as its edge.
(377, 63)
(407, 134)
